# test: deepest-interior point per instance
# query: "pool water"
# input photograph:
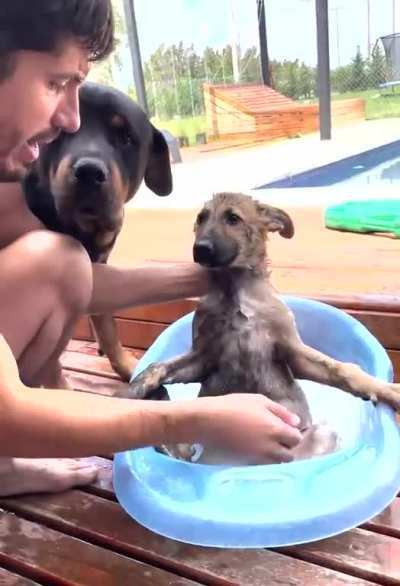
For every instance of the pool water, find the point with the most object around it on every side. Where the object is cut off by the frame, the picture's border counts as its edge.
(379, 166)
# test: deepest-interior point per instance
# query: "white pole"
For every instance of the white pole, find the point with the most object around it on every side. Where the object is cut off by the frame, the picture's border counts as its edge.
(234, 44)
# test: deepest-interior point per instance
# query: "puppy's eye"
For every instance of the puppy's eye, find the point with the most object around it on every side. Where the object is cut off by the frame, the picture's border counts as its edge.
(232, 218)
(202, 217)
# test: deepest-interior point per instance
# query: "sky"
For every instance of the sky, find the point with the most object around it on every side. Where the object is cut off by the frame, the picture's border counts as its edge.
(291, 29)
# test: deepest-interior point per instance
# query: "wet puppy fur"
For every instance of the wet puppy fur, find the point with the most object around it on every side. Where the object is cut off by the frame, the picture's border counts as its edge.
(81, 182)
(244, 336)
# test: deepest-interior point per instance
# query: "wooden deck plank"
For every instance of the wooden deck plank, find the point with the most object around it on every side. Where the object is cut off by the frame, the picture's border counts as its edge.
(91, 383)
(89, 348)
(133, 333)
(105, 524)
(367, 555)
(54, 558)
(10, 579)
(387, 522)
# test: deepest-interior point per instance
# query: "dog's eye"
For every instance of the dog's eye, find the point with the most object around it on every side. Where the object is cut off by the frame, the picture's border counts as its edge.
(202, 217)
(124, 138)
(232, 218)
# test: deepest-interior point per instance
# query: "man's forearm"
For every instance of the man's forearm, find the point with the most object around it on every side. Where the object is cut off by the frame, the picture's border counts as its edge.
(57, 423)
(117, 288)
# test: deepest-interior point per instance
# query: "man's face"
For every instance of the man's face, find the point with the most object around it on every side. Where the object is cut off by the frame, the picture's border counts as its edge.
(38, 100)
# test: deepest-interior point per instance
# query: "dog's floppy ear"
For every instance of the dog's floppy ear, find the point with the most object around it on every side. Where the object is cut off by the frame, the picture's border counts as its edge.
(276, 220)
(158, 176)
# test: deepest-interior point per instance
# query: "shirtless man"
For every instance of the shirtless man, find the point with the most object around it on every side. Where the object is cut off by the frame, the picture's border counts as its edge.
(47, 282)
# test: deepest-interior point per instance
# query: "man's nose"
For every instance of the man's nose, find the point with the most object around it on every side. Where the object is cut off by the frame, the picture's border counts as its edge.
(67, 116)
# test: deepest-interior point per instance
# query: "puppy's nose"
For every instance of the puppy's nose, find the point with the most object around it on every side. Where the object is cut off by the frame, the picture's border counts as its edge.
(204, 252)
(90, 171)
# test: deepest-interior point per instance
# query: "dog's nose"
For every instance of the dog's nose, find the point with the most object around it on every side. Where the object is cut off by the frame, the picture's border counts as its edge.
(204, 252)
(90, 171)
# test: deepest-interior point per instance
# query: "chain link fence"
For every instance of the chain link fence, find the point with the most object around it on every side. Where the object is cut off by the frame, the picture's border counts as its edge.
(186, 43)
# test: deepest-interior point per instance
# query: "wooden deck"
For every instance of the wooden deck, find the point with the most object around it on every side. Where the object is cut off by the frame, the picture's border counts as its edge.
(82, 537)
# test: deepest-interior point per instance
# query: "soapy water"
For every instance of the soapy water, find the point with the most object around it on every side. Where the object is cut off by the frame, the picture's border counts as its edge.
(325, 406)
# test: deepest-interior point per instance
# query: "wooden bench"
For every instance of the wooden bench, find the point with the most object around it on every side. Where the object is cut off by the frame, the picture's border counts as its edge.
(254, 112)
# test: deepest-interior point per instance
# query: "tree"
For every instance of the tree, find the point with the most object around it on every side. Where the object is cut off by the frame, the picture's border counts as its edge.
(104, 71)
(250, 65)
(377, 70)
(342, 78)
(306, 82)
(358, 72)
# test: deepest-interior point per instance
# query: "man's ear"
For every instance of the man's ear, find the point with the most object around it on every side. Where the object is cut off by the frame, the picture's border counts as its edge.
(158, 176)
(276, 220)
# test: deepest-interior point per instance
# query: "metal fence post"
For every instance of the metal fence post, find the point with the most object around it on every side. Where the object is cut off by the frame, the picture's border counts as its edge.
(138, 76)
(324, 83)
(262, 33)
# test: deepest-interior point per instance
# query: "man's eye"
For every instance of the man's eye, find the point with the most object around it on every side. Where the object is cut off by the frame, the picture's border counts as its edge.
(58, 86)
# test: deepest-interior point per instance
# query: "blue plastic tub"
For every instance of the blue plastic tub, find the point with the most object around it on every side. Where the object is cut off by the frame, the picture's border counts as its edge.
(281, 504)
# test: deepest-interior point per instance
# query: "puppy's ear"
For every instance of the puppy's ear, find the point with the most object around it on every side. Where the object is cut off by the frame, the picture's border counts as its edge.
(276, 220)
(158, 176)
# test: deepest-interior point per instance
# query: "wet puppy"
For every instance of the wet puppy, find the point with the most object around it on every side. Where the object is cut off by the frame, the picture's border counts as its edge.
(81, 182)
(244, 336)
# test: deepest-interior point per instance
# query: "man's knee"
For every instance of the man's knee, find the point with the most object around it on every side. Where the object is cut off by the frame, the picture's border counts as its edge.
(59, 262)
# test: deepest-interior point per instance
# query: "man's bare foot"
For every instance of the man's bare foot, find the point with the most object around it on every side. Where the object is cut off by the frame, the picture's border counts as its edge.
(29, 475)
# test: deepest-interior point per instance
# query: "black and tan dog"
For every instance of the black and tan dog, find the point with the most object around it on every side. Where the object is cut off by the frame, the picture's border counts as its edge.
(81, 182)
(244, 336)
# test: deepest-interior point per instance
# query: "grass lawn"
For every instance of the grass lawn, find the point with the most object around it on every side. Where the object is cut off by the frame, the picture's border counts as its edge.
(379, 103)
(187, 127)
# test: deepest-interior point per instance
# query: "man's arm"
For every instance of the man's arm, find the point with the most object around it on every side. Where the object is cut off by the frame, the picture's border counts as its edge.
(16, 219)
(57, 423)
(116, 288)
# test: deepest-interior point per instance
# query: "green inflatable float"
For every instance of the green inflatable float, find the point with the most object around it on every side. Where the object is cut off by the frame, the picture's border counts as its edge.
(370, 215)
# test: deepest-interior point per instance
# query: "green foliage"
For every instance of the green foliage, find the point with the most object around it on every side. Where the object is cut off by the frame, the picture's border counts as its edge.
(358, 79)
(361, 73)
(294, 79)
(187, 127)
(377, 70)
(104, 71)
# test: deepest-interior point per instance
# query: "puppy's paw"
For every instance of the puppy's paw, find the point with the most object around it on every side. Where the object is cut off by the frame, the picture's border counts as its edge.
(147, 381)
(160, 394)
(185, 452)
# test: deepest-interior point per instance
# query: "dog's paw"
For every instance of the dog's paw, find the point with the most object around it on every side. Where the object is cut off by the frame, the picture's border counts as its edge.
(159, 394)
(147, 381)
(184, 452)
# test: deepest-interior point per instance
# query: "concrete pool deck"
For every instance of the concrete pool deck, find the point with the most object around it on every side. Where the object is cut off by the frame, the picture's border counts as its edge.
(203, 171)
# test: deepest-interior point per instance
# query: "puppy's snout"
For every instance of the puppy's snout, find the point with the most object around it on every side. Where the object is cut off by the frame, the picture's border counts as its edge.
(90, 171)
(204, 252)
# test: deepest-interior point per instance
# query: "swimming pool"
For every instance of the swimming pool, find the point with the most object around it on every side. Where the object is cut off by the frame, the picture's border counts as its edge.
(379, 166)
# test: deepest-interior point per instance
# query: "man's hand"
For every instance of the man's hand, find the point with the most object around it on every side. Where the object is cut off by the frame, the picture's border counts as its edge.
(246, 428)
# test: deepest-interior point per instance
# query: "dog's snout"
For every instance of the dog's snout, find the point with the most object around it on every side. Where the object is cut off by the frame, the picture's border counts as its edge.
(204, 252)
(90, 171)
